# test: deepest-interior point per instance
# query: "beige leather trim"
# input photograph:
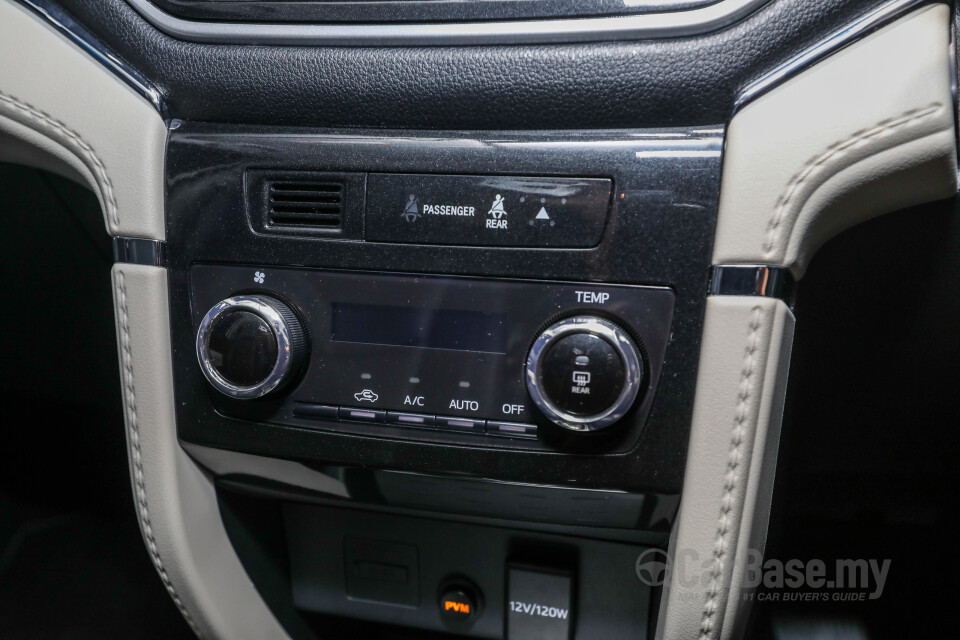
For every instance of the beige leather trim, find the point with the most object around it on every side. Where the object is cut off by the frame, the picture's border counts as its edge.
(61, 110)
(175, 497)
(867, 131)
(23, 145)
(59, 100)
(736, 418)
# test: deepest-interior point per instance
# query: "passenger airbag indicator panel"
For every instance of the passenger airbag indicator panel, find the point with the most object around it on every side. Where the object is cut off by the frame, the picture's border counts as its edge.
(507, 211)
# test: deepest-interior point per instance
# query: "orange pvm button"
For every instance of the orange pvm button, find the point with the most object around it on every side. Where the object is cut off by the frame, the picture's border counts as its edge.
(457, 607)
(458, 603)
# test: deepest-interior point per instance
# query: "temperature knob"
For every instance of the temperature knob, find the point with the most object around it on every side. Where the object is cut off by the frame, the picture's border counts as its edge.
(249, 346)
(584, 373)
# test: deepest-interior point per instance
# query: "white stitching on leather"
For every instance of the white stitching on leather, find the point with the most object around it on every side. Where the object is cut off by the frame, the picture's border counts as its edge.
(80, 147)
(134, 430)
(85, 152)
(707, 621)
(834, 151)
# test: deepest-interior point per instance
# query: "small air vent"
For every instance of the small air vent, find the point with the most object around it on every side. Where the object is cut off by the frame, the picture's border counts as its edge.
(304, 203)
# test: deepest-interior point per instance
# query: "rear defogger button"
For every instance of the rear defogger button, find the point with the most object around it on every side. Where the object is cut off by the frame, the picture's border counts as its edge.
(539, 603)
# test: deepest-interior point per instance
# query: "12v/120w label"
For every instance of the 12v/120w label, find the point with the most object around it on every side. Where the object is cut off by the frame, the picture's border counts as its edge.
(533, 609)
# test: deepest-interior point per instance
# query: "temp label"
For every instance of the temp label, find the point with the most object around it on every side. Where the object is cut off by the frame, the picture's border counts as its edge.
(596, 297)
(534, 609)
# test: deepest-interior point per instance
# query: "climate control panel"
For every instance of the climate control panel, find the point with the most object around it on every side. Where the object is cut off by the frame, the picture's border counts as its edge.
(408, 356)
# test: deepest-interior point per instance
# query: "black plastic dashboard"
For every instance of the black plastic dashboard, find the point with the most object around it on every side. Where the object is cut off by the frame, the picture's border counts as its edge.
(649, 83)
(423, 267)
(658, 234)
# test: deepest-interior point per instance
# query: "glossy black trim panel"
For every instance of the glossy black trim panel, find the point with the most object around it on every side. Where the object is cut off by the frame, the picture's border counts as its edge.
(660, 232)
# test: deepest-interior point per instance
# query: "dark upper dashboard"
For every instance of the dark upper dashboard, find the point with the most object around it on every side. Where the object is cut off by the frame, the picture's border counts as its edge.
(691, 80)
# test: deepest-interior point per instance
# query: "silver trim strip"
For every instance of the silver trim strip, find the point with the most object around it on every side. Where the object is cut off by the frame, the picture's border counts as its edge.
(846, 36)
(751, 280)
(54, 16)
(650, 25)
(139, 251)
(625, 348)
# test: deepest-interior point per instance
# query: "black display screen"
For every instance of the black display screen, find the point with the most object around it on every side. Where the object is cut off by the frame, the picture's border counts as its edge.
(455, 329)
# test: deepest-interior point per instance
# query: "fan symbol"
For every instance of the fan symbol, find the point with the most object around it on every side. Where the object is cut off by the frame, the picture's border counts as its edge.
(258, 277)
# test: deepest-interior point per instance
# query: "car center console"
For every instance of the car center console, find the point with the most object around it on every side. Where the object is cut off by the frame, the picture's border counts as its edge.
(497, 329)
(411, 348)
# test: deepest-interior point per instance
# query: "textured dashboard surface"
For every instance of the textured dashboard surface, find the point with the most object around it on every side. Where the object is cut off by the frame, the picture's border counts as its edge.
(649, 83)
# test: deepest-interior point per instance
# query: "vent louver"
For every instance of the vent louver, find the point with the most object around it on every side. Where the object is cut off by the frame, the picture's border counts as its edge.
(305, 203)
